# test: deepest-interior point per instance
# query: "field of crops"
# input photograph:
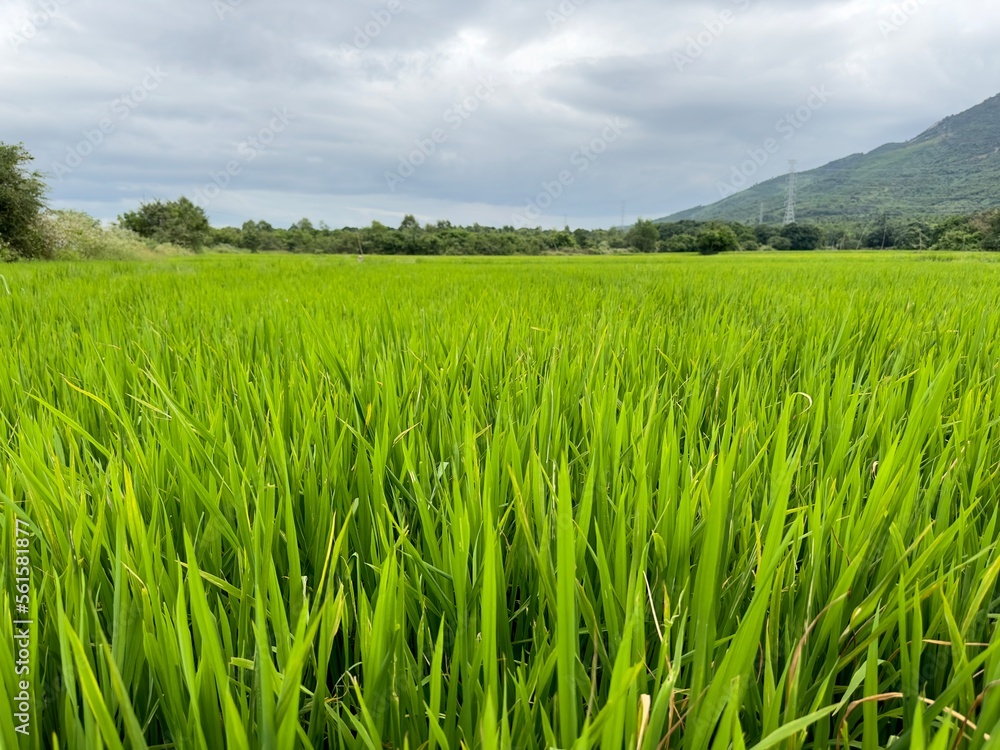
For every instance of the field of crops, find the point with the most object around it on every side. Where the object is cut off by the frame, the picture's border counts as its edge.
(280, 502)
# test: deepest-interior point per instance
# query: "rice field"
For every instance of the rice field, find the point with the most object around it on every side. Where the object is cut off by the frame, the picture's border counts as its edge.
(655, 502)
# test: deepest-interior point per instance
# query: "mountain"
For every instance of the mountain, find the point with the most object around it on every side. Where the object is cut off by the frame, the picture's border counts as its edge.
(951, 168)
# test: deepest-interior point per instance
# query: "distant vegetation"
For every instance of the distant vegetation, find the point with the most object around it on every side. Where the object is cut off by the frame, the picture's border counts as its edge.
(979, 232)
(29, 230)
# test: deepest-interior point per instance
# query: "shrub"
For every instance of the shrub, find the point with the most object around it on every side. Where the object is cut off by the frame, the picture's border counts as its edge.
(73, 235)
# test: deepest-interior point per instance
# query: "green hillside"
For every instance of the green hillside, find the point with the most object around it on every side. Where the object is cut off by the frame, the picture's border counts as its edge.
(952, 168)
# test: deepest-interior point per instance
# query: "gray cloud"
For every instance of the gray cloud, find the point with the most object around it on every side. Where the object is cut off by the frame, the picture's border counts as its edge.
(368, 85)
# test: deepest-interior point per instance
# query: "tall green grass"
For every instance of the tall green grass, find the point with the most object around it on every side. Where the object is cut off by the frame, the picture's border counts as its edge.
(621, 503)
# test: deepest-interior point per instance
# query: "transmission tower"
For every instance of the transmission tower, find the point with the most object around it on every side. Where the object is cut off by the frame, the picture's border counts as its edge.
(790, 209)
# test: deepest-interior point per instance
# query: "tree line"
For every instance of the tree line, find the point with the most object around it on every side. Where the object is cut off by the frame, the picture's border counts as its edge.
(182, 223)
(28, 229)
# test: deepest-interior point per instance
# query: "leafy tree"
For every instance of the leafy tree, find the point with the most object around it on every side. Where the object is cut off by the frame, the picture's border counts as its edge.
(837, 237)
(674, 228)
(992, 239)
(378, 238)
(583, 238)
(959, 239)
(565, 241)
(644, 236)
(301, 237)
(780, 242)
(916, 235)
(681, 243)
(803, 236)
(717, 240)
(227, 236)
(409, 227)
(764, 233)
(259, 236)
(180, 222)
(22, 203)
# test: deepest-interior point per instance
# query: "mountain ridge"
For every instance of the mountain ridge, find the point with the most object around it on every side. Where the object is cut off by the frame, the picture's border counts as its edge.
(952, 167)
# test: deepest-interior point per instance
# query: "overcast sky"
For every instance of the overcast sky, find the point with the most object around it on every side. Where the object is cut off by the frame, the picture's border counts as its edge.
(489, 111)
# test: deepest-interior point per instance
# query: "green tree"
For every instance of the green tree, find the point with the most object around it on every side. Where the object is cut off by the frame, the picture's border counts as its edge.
(681, 243)
(959, 239)
(803, 236)
(180, 222)
(563, 240)
(302, 236)
(717, 240)
(644, 236)
(231, 236)
(409, 228)
(992, 239)
(22, 203)
(882, 235)
(916, 235)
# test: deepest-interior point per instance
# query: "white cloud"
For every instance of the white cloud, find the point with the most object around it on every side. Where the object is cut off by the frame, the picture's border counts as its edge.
(361, 107)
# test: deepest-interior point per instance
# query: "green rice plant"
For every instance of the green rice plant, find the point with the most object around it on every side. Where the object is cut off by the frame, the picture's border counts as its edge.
(649, 502)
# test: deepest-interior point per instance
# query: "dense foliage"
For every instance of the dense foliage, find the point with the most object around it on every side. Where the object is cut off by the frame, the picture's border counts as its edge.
(22, 202)
(410, 238)
(638, 502)
(179, 222)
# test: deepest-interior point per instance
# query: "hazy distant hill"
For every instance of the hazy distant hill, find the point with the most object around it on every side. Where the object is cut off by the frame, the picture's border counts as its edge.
(954, 167)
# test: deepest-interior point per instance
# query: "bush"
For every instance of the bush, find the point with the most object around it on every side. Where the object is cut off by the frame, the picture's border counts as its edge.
(73, 235)
(781, 243)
